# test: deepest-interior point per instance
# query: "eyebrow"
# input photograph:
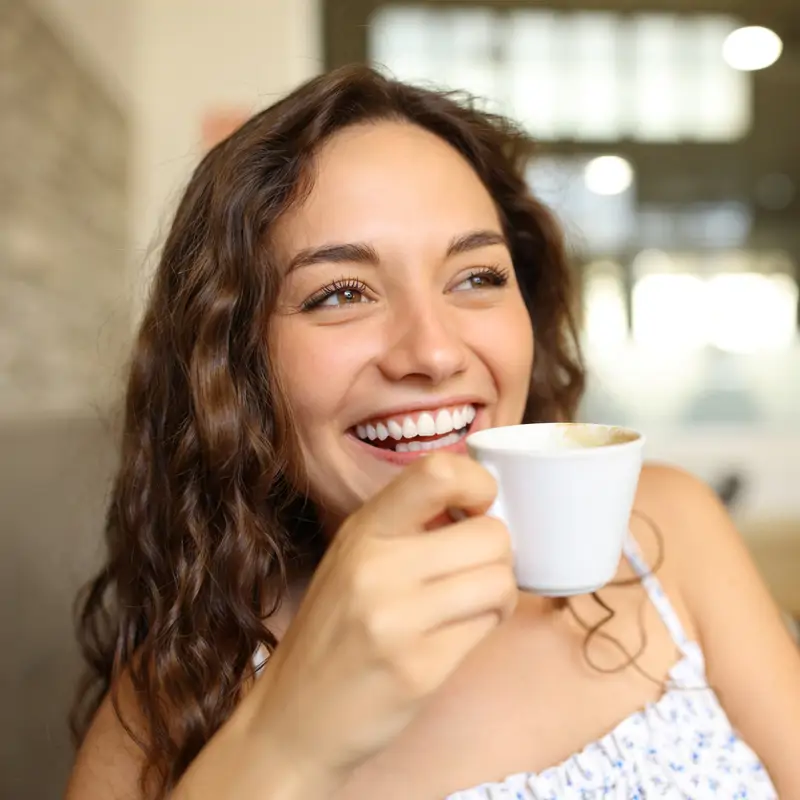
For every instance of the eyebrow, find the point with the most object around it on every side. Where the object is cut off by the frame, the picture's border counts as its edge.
(361, 253)
(335, 254)
(475, 240)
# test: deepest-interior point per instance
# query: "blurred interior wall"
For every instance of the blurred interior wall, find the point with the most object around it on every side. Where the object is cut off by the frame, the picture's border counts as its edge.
(65, 144)
(102, 107)
(200, 58)
(100, 36)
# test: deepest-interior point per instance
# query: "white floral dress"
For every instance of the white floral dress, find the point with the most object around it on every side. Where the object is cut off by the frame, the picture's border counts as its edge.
(680, 747)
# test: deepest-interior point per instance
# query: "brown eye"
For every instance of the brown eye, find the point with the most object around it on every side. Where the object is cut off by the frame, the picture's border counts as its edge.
(479, 281)
(339, 293)
(343, 297)
(483, 279)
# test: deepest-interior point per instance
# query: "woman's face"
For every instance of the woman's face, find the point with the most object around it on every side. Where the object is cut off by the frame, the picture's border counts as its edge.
(400, 325)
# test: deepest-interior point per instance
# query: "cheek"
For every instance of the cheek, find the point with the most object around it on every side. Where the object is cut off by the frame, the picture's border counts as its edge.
(317, 367)
(508, 346)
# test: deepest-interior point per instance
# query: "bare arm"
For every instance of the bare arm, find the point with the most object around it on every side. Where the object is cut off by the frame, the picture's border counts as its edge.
(753, 664)
(240, 761)
(109, 761)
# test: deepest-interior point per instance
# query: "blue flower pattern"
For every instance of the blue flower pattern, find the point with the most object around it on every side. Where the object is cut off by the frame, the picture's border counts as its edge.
(680, 747)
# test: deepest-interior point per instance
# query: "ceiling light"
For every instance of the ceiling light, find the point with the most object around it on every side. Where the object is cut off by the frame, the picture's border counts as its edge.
(752, 48)
(608, 175)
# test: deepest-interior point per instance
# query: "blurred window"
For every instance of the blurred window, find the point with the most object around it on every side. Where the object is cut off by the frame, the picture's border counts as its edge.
(582, 76)
(720, 303)
(594, 223)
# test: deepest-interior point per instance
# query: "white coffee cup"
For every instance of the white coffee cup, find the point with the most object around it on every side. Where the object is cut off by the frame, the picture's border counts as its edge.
(566, 492)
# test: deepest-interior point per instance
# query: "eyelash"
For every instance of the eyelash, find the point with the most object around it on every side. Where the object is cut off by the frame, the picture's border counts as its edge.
(497, 277)
(339, 285)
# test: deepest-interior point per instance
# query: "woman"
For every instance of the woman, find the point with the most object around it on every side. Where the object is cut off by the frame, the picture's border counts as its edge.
(358, 263)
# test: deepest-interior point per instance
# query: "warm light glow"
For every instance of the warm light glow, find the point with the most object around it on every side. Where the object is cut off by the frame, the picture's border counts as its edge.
(669, 312)
(608, 175)
(752, 48)
(605, 314)
(752, 313)
(652, 261)
(742, 312)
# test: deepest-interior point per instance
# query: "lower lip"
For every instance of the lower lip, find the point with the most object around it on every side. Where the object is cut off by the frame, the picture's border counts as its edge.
(401, 459)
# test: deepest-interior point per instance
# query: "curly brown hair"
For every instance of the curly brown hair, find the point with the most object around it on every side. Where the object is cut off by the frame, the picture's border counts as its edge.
(203, 526)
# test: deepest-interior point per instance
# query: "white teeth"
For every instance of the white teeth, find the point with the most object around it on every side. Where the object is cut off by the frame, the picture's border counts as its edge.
(395, 430)
(410, 447)
(445, 441)
(425, 425)
(434, 445)
(409, 428)
(444, 422)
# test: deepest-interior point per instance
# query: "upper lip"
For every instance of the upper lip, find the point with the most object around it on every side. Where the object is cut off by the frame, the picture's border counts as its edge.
(429, 404)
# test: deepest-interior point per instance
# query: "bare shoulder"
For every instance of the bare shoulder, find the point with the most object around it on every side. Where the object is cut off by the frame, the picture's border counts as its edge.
(677, 497)
(109, 763)
(698, 534)
(710, 569)
(695, 532)
(750, 658)
(671, 505)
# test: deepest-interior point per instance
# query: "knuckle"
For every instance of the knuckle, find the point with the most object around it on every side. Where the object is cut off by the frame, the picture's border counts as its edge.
(495, 528)
(377, 626)
(383, 630)
(362, 583)
(439, 468)
(500, 582)
(413, 677)
(489, 480)
(500, 537)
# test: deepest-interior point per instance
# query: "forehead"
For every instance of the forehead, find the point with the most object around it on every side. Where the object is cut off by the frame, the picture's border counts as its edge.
(388, 183)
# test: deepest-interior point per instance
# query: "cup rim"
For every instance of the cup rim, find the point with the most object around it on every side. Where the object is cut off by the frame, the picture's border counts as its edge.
(577, 452)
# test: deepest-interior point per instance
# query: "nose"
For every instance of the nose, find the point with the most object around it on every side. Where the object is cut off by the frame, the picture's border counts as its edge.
(424, 343)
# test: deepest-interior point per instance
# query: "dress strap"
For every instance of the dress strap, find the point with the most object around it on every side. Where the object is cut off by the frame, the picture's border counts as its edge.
(260, 658)
(658, 597)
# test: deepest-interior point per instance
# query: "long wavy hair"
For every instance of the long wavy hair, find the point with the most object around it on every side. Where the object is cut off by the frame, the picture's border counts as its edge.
(203, 526)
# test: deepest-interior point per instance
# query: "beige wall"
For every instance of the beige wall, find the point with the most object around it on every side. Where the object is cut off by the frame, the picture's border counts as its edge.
(165, 62)
(170, 61)
(192, 57)
(64, 154)
(100, 34)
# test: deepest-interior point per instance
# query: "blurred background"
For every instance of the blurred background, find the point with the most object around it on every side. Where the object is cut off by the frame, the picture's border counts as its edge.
(669, 146)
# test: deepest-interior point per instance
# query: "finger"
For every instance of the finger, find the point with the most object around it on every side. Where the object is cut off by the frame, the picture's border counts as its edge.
(473, 542)
(426, 489)
(465, 595)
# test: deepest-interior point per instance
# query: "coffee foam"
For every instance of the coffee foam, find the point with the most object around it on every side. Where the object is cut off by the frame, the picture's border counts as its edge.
(578, 436)
(551, 438)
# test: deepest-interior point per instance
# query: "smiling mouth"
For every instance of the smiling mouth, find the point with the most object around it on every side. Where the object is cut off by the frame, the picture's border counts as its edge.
(427, 430)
